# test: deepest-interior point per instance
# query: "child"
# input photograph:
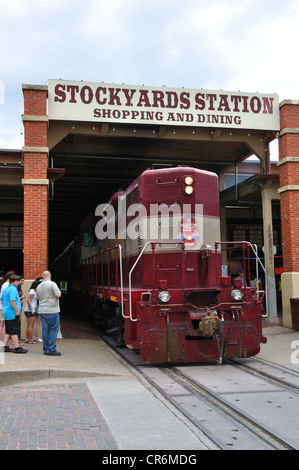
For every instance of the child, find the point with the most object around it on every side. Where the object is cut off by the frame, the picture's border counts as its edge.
(11, 309)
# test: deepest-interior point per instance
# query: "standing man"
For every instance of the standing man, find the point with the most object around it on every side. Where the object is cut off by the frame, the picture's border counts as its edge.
(48, 295)
(11, 310)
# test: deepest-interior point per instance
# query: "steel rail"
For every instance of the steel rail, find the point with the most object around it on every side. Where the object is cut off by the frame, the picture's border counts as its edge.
(252, 427)
(247, 425)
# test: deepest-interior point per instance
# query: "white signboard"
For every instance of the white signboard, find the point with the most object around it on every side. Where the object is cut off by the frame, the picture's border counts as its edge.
(99, 102)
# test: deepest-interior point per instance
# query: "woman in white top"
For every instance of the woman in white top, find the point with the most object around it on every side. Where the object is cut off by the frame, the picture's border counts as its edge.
(29, 311)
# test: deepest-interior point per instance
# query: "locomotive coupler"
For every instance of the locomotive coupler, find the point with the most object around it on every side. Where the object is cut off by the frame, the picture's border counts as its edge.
(209, 326)
(207, 322)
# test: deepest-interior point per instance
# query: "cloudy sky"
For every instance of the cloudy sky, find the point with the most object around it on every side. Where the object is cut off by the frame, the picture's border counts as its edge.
(247, 45)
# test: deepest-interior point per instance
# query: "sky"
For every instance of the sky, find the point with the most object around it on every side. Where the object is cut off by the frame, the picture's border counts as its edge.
(246, 45)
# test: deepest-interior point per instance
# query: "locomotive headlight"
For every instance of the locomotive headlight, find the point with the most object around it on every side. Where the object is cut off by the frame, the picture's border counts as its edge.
(236, 295)
(164, 297)
(188, 180)
(189, 190)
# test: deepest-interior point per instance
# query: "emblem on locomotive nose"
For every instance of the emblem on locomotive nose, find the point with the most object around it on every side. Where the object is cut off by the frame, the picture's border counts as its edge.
(189, 232)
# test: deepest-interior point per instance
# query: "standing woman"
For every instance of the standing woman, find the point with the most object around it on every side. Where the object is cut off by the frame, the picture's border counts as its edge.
(30, 312)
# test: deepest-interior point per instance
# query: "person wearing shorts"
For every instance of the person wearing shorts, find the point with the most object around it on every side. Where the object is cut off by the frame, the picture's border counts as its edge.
(29, 312)
(11, 308)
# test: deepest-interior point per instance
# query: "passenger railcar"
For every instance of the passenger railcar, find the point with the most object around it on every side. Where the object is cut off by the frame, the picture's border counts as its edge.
(155, 275)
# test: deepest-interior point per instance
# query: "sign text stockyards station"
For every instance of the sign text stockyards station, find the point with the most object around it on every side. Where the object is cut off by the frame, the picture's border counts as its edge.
(82, 101)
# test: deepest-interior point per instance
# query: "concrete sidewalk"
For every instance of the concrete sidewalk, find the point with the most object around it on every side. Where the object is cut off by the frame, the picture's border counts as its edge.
(282, 347)
(79, 357)
(87, 398)
(84, 399)
(85, 357)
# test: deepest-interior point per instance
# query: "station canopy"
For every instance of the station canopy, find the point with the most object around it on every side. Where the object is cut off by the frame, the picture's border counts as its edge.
(105, 135)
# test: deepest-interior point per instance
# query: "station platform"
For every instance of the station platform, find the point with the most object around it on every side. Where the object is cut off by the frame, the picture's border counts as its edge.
(89, 399)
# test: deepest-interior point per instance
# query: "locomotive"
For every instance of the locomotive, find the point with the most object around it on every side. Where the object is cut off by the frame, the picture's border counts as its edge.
(154, 275)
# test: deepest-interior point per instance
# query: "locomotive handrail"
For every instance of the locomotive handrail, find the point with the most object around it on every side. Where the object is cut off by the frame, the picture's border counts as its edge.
(160, 268)
(130, 283)
(107, 250)
(153, 243)
(120, 272)
(89, 262)
(265, 272)
(167, 182)
(258, 261)
(121, 280)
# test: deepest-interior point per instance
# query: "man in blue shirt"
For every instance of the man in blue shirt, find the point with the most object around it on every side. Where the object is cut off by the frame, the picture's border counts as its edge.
(11, 309)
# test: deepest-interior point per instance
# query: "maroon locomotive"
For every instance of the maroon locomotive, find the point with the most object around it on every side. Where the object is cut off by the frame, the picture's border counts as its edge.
(161, 278)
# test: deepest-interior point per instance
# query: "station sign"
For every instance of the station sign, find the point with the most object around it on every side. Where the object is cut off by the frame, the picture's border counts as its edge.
(128, 104)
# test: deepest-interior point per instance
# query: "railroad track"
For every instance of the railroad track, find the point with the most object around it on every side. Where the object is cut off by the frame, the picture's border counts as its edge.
(241, 405)
(224, 421)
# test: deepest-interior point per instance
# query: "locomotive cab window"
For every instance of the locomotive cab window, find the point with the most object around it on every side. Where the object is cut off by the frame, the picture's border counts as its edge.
(88, 237)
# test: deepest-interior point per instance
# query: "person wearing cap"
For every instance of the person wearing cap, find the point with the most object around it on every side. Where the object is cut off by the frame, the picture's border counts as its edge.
(11, 310)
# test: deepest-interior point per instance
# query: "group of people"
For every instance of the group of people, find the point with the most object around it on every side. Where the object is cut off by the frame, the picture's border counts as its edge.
(42, 307)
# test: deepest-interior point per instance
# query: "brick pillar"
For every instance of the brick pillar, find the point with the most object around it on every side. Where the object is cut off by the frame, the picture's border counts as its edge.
(35, 181)
(289, 202)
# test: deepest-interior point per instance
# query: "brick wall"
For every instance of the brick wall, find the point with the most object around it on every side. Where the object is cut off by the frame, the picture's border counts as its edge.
(289, 184)
(36, 133)
(35, 181)
(35, 100)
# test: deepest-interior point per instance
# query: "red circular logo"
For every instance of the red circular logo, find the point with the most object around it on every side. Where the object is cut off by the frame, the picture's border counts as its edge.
(189, 233)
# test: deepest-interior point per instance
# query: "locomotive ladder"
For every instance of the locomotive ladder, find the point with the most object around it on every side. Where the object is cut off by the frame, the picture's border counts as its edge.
(93, 261)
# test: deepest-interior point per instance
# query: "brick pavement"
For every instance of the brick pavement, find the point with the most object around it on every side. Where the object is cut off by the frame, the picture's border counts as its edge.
(52, 417)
